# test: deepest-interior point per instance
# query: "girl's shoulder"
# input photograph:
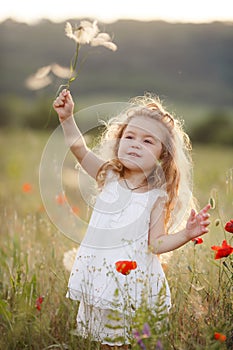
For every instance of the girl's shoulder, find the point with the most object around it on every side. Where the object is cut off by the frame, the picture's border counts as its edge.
(158, 195)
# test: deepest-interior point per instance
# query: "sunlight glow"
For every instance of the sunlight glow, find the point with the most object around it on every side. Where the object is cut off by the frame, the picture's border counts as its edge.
(109, 11)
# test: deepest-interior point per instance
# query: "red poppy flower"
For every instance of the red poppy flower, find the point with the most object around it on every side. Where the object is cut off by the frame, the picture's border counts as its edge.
(219, 336)
(39, 301)
(27, 187)
(125, 266)
(41, 208)
(75, 210)
(229, 226)
(222, 251)
(61, 199)
(197, 240)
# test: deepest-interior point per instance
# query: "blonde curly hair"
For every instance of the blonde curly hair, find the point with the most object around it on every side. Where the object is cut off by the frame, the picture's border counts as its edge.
(173, 173)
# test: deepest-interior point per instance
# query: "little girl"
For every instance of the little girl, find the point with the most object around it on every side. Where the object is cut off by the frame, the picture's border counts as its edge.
(144, 195)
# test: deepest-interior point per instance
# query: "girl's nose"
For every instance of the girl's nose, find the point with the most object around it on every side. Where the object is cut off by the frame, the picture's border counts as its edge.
(136, 144)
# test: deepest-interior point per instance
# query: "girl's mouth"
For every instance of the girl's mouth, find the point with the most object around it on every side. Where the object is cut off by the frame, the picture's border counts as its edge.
(133, 154)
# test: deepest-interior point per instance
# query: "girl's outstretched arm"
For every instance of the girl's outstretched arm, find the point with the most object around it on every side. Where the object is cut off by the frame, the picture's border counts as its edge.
(160, 242)
(64, 106)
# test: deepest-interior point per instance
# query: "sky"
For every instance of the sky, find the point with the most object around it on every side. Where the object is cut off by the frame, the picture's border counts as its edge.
(30, 11)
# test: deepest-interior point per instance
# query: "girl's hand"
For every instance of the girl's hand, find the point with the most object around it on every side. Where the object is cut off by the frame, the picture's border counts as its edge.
(197, 224)
(64, 105)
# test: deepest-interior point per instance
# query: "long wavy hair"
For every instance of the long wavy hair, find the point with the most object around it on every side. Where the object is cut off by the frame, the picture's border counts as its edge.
(173, 173)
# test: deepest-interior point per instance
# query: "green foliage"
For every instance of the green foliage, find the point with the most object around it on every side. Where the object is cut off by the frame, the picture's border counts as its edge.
(216, 128)
(185, 63)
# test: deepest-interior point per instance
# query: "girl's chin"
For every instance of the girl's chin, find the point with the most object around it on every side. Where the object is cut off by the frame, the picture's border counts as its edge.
(131, 164)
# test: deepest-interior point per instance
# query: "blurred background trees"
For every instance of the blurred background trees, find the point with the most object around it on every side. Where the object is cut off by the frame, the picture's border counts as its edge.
(188, 65)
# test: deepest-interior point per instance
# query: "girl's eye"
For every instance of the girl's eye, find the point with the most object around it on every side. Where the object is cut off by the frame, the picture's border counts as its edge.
(129, 137)
(148, 141)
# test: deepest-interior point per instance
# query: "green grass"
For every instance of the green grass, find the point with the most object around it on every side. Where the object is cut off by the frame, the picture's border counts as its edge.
(31, 261)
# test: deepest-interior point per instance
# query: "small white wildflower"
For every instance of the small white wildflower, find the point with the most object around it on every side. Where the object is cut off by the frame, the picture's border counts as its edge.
(69, 30)
(61, 72)
(103, 39)
(40, 79)
(43, 72)
(34, 83)
(91, 28)
(109, 45)
(68, 259)
(84, 33)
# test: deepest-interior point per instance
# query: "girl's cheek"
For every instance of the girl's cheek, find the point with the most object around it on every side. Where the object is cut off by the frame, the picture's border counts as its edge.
(123, 145)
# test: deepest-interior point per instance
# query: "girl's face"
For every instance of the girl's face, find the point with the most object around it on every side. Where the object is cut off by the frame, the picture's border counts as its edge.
(140, 146)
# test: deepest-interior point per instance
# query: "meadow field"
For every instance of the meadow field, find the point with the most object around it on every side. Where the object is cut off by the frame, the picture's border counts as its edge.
(34, 312)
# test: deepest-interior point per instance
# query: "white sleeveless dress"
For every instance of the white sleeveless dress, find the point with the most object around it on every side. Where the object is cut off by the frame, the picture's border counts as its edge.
(118, 230)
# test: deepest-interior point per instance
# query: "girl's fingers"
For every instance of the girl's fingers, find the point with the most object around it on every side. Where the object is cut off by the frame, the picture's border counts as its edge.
(193, 213)
(68, 96)
(64, 92)
(60, 100)
(205, 223)
(203, 213)
(191, 216)
(58, 103)
(206, 208)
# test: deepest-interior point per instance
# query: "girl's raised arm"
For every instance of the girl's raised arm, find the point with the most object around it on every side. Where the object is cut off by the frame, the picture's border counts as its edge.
(64, 106)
